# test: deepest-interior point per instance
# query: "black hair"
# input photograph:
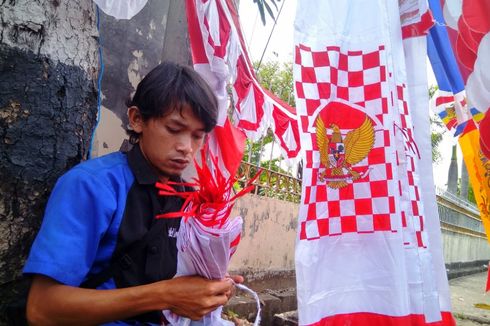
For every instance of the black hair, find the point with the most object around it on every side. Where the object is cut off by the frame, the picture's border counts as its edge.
(170, 86)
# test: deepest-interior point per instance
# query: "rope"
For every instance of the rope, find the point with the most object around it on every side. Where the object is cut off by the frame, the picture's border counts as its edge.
(257, 301)
(270, 35)
(99, 84)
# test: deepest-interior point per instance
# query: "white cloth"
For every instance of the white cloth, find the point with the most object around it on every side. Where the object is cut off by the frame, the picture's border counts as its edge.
(121, 9)
(364, 254)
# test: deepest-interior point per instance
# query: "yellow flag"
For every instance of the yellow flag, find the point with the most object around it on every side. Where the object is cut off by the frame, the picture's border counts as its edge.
(479, 171)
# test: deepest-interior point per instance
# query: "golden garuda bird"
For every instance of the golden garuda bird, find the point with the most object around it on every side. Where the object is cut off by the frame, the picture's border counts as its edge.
(339, 155)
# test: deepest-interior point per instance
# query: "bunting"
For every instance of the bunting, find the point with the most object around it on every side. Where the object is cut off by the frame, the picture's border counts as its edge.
(220, 56)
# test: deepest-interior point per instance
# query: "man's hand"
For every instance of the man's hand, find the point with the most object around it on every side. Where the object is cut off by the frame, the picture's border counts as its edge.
(194, 296)
(237, 279)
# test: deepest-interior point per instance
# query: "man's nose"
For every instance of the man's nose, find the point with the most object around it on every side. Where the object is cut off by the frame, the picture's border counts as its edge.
(184, 144)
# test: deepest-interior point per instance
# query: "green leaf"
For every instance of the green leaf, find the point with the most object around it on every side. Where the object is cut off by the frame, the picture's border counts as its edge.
(269, 10)
(263, 3)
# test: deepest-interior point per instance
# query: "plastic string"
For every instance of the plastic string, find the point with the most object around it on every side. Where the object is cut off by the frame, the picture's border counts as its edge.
(257, 301)
(99, 83)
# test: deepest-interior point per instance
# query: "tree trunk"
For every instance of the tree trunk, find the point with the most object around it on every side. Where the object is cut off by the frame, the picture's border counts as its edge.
(48, 107)
(452, 176)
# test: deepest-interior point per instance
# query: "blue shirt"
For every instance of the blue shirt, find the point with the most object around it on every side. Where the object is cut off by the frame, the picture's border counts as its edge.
(81, 226)
(78, 234)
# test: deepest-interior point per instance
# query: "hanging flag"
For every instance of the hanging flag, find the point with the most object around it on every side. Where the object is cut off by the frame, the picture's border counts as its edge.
(363, 254)
(477, 165)
(220, 56)
(415, 17)
(417, 86)
(485, 135)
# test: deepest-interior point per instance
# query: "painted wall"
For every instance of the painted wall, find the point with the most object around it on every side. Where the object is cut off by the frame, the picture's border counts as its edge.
(460, 247)
(268, 236)
(131, 48)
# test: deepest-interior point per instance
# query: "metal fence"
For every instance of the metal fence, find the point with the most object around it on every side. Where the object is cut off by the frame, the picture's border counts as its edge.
(271, 183)
(455, 212)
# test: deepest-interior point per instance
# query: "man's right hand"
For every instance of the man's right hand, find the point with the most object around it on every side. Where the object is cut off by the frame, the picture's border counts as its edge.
(53, 303)
(194, 296)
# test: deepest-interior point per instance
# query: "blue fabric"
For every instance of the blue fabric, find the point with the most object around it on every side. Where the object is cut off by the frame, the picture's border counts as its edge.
(441, 54)
(82, 218)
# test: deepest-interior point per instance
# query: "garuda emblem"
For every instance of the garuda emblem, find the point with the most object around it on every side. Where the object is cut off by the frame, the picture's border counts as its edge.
(338, 154)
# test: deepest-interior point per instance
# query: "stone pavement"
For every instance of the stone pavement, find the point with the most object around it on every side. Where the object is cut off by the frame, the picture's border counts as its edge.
(466, 291)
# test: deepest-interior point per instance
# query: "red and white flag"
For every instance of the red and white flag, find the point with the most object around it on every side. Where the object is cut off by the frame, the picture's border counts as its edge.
(220, 56)
(369, 250)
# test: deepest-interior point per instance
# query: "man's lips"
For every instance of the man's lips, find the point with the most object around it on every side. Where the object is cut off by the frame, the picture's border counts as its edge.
(180, 163)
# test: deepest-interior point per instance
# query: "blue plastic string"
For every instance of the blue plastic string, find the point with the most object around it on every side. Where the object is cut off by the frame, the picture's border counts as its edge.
(99, 84)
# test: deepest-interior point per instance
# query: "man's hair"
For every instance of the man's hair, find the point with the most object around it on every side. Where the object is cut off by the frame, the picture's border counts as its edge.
(170, 86)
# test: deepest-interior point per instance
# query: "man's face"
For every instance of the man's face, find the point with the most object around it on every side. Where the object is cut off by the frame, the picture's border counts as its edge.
(170, 143)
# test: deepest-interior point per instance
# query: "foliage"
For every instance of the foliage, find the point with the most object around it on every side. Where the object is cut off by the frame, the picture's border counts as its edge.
(277, 78)
(263, 5)
(471, 195)
(437, 129)
(432, 90)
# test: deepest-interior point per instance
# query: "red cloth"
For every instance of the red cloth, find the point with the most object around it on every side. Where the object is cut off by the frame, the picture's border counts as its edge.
(488, 280)
(485, 134)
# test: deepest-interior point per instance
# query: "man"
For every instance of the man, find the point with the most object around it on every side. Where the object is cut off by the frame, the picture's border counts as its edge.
(101, 209)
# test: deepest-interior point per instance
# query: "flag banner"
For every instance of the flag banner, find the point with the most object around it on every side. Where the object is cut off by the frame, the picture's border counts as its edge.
(477, 165)
(415, 17)
(417, 86)
(219, 54)
(363, 255)
(485, 135)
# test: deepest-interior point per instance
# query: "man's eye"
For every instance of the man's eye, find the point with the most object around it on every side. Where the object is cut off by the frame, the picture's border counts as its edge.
(199, 136)
(173, 130)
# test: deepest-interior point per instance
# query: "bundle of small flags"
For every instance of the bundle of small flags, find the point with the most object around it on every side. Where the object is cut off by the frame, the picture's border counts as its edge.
(207, 237)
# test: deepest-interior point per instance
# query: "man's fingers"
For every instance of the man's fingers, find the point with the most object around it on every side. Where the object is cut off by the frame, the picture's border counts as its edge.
(236, 278)
(221, 287)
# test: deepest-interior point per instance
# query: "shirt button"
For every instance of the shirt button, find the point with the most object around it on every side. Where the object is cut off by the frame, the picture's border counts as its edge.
(153, 249)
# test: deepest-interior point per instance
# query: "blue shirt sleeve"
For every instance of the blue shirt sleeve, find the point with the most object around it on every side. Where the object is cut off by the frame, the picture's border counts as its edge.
(79, 212)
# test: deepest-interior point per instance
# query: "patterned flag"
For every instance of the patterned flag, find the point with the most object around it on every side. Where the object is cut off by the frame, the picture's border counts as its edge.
(220, 56)
(364, 254)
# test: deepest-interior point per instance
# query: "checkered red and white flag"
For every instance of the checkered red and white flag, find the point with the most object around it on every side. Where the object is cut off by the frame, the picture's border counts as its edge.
(364, 254)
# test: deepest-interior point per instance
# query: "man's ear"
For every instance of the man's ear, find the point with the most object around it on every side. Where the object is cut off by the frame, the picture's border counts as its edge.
(135, 119)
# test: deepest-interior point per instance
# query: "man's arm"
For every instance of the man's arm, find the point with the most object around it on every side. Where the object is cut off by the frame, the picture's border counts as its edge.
(53, 303)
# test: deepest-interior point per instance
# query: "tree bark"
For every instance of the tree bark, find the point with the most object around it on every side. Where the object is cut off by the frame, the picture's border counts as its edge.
(48, 107)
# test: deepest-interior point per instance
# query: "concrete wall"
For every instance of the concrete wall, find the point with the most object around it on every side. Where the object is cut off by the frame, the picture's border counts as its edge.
(463, 237)
(268, 236)
(270, 225)
(461, 247)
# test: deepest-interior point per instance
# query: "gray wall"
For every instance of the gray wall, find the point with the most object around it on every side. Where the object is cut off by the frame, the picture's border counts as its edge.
(269, 236)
